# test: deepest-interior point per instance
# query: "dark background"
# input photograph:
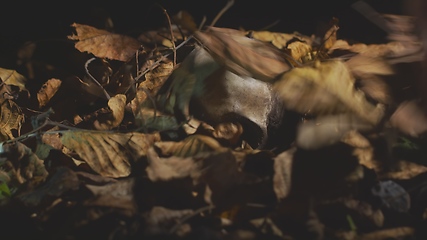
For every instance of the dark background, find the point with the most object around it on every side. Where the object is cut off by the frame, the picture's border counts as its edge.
(39, 21)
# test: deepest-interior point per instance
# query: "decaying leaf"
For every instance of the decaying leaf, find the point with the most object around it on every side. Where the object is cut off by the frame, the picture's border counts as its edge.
(12, 77)
(11, 118)
(243, 55)
(114, 117)
(109, 154)
(104, 44)
(325, 88)
(47, 91)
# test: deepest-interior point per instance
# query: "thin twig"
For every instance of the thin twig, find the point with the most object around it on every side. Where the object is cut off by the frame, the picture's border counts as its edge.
(93, 79)
(229, 4)
(172, 36)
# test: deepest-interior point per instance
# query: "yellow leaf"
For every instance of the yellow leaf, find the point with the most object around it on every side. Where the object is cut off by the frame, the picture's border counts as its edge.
(325, 88)
(104, 44)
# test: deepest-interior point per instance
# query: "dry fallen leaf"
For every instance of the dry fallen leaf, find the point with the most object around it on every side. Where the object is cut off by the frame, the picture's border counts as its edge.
(109, 154)
(47, 91)
(104, 44)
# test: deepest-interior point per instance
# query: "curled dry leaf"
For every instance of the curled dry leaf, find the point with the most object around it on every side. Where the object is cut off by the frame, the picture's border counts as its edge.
(109, 154)
(325, 88)
(243, 55)
(104, 44)
(11, 119)
(47, 91)
(116, 105)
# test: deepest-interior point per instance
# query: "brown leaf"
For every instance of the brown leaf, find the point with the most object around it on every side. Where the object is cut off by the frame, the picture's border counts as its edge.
(104, 44)
(116, 107)
(243, 55)
(325, 88)
(109, 154)
(47, 91)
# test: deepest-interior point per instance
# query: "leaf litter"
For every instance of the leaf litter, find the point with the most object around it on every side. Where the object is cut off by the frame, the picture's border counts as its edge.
(190, 132)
